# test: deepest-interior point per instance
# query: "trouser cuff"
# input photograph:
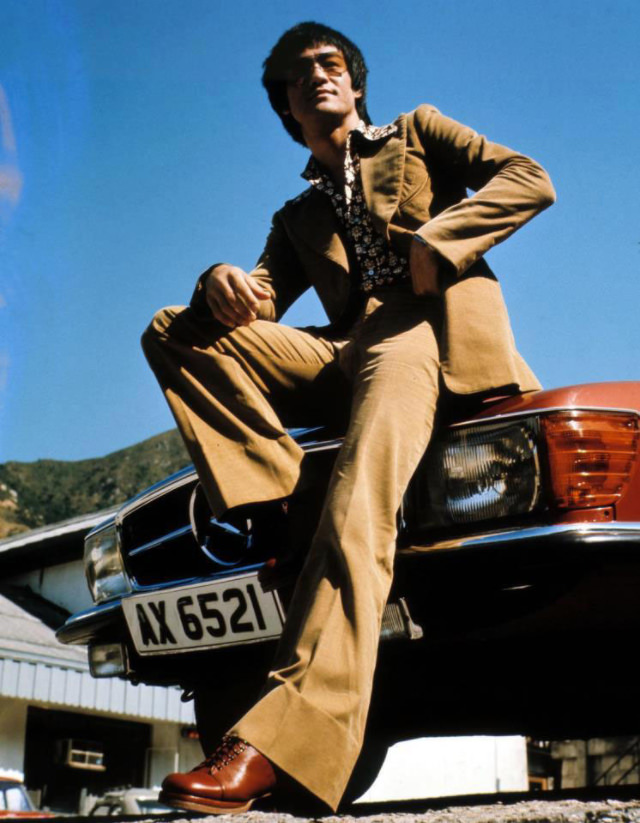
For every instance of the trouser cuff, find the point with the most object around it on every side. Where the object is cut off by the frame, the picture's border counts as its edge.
(307, 744)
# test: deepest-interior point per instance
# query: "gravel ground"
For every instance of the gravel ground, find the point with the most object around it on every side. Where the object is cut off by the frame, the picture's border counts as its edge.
(530, 811)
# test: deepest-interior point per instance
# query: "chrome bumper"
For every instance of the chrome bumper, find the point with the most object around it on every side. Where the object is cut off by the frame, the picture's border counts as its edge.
(82, 627)
(592, 534)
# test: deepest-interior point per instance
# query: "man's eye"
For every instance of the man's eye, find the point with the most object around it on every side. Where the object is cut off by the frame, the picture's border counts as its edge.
(298, 70)
(334, 66)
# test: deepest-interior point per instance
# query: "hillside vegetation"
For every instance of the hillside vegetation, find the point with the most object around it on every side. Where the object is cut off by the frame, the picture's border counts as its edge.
(46, 491)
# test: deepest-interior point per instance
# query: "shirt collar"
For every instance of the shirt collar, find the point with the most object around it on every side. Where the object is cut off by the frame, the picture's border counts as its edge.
(374, 133)
(313, 171)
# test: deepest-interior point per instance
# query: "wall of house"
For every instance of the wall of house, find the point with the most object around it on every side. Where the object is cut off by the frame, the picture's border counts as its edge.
(443, 766)
(64, 584)
(170, 752)
(13, 727)
(598, 761)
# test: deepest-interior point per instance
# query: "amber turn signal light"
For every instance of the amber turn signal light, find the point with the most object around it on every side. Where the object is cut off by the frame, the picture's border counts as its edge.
(591, 455)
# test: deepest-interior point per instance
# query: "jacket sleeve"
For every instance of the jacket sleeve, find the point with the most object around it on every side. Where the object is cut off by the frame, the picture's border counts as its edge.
(278, 270)
(510, 189)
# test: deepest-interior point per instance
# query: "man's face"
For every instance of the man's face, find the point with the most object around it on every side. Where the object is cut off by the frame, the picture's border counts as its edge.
(319, 86)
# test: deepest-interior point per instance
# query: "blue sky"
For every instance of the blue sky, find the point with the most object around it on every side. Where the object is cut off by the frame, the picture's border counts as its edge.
(137, 147)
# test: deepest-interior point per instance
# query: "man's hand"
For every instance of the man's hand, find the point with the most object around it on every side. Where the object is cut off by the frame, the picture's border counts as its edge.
(424, 268)
(233, 295)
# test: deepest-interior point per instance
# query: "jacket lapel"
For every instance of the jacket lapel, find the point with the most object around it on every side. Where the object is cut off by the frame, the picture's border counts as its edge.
(382, 170)
(315, 222)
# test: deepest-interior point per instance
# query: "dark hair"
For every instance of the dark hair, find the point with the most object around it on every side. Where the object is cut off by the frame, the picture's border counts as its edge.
(294, 41)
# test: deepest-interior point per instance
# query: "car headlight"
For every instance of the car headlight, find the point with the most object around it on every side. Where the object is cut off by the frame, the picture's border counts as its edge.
(103, 564)
(481, 472)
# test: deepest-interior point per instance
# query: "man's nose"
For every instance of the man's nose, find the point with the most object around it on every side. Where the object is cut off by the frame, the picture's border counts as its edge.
(317, 73)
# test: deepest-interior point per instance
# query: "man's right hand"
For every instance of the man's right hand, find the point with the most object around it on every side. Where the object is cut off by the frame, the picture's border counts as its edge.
(233, 295)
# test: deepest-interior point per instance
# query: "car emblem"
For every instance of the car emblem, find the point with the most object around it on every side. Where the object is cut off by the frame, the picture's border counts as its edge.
(222, 542)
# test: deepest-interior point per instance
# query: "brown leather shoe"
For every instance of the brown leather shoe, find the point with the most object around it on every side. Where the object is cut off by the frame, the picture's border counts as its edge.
(227, 782)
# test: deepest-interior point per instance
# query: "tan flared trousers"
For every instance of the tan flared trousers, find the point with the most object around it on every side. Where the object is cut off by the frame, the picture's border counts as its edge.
(231, 393)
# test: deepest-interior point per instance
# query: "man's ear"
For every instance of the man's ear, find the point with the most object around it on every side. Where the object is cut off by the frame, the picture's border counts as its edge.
(357, 93)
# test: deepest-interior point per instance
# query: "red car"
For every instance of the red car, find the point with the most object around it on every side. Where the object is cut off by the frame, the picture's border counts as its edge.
(15, 802)
(516, 598)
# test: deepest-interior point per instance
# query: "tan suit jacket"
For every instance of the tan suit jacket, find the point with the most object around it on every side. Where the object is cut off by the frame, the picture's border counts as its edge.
(416, 181)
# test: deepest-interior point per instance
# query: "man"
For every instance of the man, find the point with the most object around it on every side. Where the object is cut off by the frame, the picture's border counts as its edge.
(393, 245)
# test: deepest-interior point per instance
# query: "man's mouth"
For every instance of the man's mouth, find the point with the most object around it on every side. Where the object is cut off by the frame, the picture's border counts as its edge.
(316, 93)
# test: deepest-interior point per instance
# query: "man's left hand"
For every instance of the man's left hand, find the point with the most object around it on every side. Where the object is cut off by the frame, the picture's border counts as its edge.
(425, 269)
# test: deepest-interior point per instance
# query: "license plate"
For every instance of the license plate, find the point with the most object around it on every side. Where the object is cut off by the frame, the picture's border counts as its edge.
(225, 612)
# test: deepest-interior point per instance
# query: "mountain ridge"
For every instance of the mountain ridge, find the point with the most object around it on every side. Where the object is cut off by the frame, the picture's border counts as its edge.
(40, 492)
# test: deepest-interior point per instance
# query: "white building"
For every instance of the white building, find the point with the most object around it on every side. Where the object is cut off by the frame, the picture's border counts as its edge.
(67, 732)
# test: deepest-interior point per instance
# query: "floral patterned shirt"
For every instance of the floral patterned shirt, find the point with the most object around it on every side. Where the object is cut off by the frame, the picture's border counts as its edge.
(379, 265)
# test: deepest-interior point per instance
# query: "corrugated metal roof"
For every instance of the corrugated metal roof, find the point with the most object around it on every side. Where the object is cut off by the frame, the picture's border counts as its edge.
(35, 666)
(75, 524)
(26, 638)
(62, 686)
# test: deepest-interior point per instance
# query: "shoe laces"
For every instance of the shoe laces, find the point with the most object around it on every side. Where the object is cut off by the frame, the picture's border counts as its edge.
(227, 751)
